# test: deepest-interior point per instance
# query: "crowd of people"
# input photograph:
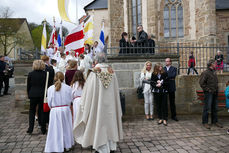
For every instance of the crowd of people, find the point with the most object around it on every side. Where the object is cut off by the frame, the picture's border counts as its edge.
(144, 44)
(158, 84)
(78, 102)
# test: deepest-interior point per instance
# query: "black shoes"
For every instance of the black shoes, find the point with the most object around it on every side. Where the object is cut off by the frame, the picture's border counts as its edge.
(1, 95)
(175, 119)
(7, 93)
(43, 131)
(218, 125)
(207, 126)
(29, 131)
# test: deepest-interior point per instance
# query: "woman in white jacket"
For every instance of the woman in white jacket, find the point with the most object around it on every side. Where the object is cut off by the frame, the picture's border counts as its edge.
(60, 134)
(148, 95)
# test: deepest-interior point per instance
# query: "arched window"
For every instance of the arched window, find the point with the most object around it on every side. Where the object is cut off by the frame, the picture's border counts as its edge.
(136, 8)
(173, 19)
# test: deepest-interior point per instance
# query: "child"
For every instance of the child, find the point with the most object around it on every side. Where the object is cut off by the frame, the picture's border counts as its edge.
(227, 98)
(192, 63)
(54, 63)
(77, 87)
(60, 134)
(63, 63)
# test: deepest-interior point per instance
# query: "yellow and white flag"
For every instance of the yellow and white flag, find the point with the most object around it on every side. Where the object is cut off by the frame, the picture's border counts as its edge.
(43, 39)
(88, 31)
(63, 9)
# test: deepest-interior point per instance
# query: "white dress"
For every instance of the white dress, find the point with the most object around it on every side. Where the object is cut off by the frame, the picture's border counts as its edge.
(50, 52)
(57, 57)
(62, 65)
(70, 57)
(76, 94)
(87, 63)
(60, 134)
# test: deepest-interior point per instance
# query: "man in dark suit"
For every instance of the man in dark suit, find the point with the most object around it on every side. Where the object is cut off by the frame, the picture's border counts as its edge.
(172, 72)
(2, 70)
(142, 40)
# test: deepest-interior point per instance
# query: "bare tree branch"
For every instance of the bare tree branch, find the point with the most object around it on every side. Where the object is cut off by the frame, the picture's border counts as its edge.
(6, 12)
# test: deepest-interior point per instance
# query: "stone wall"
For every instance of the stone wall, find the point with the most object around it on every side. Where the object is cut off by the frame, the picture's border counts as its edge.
(206, 21)
(21, 71)
(116, 24)
(100, 16)
(186, 97)
(222, 29)
(128, 73)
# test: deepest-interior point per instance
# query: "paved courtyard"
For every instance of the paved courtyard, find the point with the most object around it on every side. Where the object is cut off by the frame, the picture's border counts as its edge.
(140, 136)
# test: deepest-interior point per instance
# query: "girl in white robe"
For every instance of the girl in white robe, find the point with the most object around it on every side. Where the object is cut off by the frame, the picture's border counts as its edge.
(77, 88)
(60, 135)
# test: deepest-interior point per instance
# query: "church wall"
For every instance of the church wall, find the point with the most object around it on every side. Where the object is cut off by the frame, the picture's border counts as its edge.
(99, 16)
(116, 24)
(206, 21)
(222, 28)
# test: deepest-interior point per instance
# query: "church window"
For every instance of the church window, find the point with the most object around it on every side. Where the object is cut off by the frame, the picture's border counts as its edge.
(173, 19)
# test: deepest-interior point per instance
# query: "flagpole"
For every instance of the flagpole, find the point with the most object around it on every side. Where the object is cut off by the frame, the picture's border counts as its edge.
(77, 22)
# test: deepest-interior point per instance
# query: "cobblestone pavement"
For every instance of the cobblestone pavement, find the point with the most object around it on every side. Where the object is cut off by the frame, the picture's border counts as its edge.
(140, 136)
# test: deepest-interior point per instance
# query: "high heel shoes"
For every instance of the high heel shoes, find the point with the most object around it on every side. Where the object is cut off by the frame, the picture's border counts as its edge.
(165, 123)
(159, 122)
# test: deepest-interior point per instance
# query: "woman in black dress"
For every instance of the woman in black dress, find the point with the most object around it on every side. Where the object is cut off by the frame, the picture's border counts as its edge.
(35, 89)
(159, 83)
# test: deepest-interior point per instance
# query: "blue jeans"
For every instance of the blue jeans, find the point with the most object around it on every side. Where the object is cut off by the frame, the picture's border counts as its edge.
(210, 103)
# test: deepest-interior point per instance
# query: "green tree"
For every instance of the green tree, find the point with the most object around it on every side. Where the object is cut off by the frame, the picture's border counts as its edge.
(37, 33)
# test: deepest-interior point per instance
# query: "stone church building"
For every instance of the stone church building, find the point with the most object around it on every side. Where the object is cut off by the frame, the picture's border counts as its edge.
(198, 21)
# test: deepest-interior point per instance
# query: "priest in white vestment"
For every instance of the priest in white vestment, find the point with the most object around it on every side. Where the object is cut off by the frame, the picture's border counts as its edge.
(60, 135)
(99, 118)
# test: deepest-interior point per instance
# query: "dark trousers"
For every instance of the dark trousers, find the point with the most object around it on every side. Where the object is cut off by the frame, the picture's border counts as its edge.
(172, 104)
(1, 83)
(210, 104)
(162, 105)
(194, 69)
(32, 110)
(6, 83)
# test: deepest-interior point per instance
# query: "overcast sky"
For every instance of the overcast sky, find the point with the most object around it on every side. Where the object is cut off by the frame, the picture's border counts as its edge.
(37, 10)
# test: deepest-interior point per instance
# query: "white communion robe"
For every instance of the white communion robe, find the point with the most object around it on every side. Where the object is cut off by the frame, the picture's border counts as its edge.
(62, 65)
(87, 63)
(60, 134)
(57, 57)
(50, 52)
(99, 118)
(76, 94)
(70, 57)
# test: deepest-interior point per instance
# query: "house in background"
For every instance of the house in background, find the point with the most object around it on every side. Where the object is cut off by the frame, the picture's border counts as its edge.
(99, 9)
(18, 29)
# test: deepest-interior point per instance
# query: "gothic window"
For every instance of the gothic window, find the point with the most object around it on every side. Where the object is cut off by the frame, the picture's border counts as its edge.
(136, 8)
(173, 19)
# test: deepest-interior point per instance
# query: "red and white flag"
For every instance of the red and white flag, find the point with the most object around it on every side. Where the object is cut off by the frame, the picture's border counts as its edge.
(53, 39)
(75, 40)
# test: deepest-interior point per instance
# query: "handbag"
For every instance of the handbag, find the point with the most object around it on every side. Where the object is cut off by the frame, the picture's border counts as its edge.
(45, 104)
